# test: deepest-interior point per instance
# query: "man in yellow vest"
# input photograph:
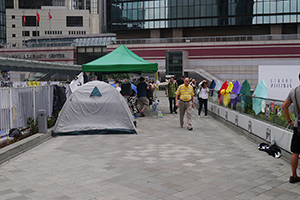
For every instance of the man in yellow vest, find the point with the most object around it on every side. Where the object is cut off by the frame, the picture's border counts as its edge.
(186, 102)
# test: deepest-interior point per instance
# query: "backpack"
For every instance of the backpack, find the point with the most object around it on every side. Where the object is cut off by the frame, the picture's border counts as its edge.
(150, 96)
(14, 132)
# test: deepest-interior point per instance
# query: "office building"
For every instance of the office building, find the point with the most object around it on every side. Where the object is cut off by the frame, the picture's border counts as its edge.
(194, 18)
(227, 39)
(40, 18)
(2, 23)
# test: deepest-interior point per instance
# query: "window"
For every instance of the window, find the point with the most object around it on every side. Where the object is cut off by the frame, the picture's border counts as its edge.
(13, 16)
(94, 7)
(30, 21)
(13, 35)
(34, 33)
(13, 26)
(74, 21)
(9, 4)
(37, 4)
(25, 33)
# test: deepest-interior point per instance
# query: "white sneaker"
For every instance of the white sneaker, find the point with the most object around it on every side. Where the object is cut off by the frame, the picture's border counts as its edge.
(205, 116)
(199, 116)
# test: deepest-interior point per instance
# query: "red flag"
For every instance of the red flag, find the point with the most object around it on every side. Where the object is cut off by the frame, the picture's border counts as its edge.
(224, 87)
(50, 17)
(37, 16)
(24, 19)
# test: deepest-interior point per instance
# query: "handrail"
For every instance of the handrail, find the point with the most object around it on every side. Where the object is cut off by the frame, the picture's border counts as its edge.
(251, 96)
(272, 112)
(234, 38)
(210, 39)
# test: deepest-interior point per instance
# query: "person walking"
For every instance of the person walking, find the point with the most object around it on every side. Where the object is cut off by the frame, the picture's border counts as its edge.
(193, 83)
(181, 80)
(202, 97)
(150, 92)
(294, 97)
(170, 92)
(186, 103)
(142, 96)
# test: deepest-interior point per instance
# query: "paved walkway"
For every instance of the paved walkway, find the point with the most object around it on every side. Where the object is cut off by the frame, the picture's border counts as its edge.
(162, 162)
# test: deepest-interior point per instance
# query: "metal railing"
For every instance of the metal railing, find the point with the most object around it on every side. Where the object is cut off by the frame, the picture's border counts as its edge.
(271, 108)
(236, 38)
(210, 39)
(18, 104)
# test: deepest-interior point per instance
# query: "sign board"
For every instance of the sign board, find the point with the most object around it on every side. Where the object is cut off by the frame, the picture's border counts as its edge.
(49, 54)
(280, 79)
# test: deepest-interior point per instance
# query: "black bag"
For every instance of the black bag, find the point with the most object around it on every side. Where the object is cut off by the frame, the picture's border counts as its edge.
(272, 150)
(16, 133)
(150, 96)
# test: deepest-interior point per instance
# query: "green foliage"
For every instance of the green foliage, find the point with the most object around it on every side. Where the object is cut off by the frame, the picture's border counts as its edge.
(33, 125)
(50, 121)
(272, 118)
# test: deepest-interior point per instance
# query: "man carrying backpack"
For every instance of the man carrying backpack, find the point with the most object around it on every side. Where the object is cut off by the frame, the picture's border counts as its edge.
(294, 97)
(170, 92)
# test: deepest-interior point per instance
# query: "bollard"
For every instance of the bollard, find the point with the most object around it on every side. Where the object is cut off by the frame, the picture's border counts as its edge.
(42, 121)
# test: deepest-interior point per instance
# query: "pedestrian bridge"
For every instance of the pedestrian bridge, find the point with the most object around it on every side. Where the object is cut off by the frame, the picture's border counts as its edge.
(13, 64)
(163, 161)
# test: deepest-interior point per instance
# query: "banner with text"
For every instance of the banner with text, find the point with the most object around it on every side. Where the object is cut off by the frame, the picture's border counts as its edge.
(280, 79)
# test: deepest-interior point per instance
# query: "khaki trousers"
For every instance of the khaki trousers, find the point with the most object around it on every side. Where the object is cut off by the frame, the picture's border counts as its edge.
(185, 107)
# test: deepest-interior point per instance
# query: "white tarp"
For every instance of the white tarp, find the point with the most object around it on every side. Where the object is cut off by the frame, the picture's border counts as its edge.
(280, 79)
(106, 113)
(76, 83)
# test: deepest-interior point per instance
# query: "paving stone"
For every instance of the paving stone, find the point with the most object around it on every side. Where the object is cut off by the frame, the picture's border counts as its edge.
(162, 162)
(21, 197)
(8, 191)
(64, 197)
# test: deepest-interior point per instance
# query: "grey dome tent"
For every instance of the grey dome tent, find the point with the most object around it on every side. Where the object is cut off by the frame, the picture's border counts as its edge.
(94, 108)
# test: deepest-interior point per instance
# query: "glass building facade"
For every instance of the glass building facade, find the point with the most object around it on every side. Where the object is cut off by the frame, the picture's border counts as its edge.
(2, 22)
(34, 4)
(158, 14)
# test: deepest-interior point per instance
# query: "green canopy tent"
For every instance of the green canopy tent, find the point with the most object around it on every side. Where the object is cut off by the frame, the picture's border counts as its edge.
(120, 60)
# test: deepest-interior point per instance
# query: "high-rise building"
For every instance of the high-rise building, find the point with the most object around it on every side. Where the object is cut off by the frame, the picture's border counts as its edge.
(28, 19)
(193, 18)
(62, 31)
(2, 22)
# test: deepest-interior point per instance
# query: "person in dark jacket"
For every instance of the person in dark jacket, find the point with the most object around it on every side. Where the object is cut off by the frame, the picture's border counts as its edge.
(181, 80)
(142, 96)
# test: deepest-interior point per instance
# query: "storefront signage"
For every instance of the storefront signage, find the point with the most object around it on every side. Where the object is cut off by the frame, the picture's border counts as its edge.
(36, 56)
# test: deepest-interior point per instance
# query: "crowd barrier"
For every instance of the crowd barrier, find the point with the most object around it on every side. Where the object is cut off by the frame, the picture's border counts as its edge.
(19, 104)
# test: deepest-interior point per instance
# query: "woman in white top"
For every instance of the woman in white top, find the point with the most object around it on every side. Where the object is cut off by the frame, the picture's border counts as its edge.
(203, 96)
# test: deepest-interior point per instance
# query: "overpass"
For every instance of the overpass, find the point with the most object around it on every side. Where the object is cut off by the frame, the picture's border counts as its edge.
(13, 64)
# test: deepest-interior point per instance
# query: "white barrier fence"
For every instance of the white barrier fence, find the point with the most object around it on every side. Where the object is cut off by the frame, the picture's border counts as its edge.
(18, 104)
